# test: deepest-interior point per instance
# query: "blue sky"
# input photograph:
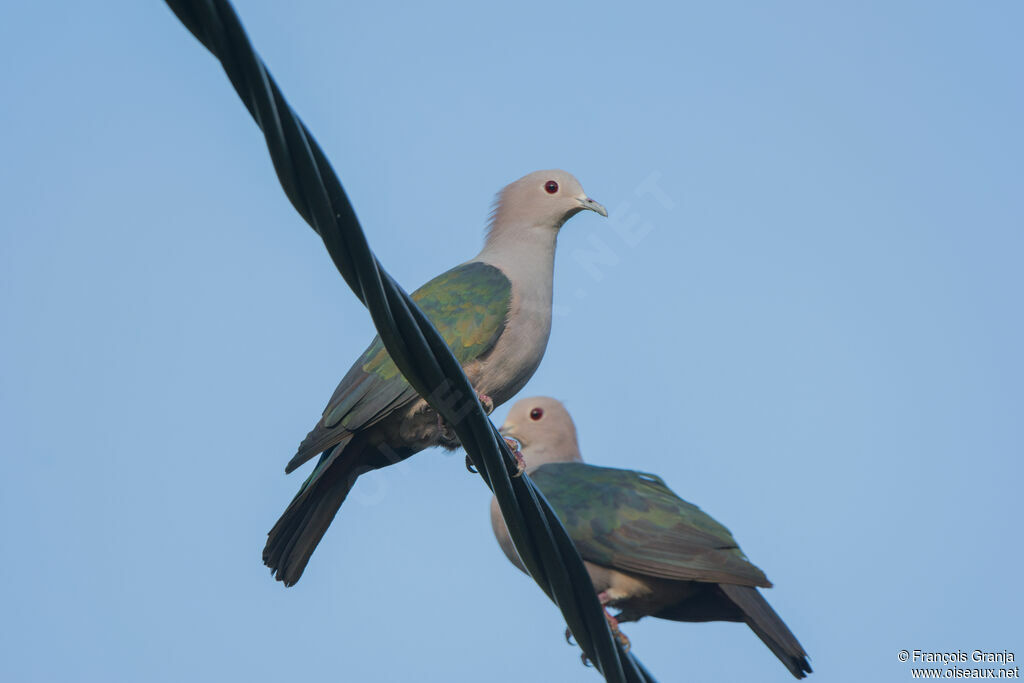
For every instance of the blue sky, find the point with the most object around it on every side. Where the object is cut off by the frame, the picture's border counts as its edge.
(812, 329)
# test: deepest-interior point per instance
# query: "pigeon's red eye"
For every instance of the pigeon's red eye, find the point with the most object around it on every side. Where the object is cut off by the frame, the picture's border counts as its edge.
(536, 413)
(552, 187)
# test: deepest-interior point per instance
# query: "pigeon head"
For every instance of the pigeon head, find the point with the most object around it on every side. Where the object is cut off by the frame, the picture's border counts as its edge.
(544, 430)
(542, 199)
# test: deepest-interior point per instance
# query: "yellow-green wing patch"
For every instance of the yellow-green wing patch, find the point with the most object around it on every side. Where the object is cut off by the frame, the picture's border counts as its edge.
(467, 304)
(632, 521)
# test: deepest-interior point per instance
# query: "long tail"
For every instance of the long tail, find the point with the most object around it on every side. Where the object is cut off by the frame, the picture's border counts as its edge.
(763, 621)
(295, 536)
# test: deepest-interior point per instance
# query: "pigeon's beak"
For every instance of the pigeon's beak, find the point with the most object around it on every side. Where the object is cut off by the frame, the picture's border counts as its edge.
(507, 430)
(591, 205)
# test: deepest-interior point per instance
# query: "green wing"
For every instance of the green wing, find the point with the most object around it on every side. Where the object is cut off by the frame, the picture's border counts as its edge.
(468, 304)
(633, 522)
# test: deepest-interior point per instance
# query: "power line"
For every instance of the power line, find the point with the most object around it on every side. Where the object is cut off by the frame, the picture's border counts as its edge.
(414, 344)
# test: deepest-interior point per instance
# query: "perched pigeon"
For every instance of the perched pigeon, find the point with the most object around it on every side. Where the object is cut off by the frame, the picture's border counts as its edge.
(648, 552)
(494, 312)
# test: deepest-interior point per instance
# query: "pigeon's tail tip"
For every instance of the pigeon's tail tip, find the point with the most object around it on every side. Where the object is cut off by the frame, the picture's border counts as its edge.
(797, 665)
(297, 533)
(769, 627)
(803, 667)
(277, 571)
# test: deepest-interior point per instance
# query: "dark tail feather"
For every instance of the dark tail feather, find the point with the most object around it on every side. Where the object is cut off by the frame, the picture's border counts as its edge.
(295, 536)
(763, 621)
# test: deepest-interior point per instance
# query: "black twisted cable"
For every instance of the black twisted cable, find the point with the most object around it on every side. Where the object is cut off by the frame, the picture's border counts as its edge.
(417, 348)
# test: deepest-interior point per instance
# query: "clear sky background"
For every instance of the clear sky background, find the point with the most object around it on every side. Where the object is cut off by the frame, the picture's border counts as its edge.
(815, 333)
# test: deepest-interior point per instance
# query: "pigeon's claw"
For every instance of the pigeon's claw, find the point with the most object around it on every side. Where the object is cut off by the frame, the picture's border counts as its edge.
(520, 465)
(613, 623)
(446, 433)
(514, 445)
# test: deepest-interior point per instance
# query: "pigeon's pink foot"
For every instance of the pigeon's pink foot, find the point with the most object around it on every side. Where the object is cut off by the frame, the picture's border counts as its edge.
(613, 623)
(447, 435)
(514, 445)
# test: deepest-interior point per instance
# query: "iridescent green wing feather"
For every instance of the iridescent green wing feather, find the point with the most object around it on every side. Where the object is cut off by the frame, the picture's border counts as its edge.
(468, 304)
(633, 522)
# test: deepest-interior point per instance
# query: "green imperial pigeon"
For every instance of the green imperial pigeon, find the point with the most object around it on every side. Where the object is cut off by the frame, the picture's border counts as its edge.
(494, 312)
(648, 551)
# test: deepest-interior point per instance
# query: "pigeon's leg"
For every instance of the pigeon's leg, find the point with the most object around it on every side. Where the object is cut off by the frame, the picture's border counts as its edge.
(520, 460)
(613, 624)
(514, 445)
(619, 636)
(447, 435)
